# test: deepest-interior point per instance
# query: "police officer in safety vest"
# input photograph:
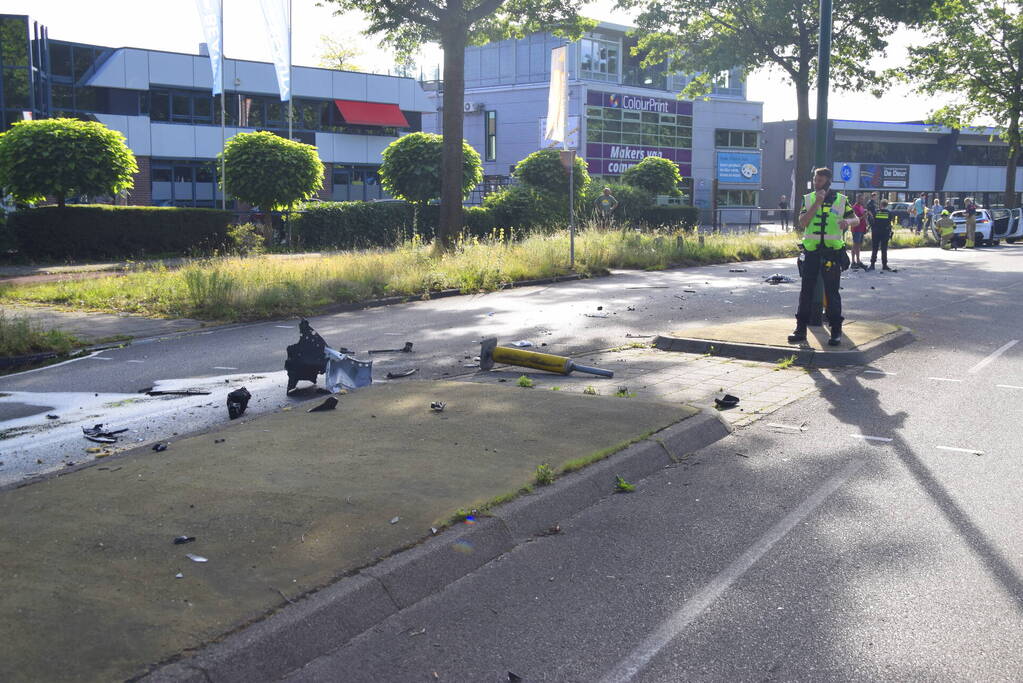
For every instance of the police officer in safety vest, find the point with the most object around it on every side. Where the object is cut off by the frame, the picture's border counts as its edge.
(880, 233)
(825, 216)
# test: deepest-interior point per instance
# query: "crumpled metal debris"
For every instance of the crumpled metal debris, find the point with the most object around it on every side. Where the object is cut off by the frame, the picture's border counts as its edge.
(97, 434)
(345, 372)
(311, 357)
(405, 349)
(777, 279)
(438, 406)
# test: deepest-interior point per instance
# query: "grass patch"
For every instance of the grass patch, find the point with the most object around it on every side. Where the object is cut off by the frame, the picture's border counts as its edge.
(784, 363)
(622, 486)
(19, 336)
(590, 391)
(525, 382)
(579, 463)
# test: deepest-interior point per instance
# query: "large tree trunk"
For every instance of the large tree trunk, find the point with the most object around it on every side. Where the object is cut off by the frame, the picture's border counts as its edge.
(1010, 167)
(804, 150)
(453, 42)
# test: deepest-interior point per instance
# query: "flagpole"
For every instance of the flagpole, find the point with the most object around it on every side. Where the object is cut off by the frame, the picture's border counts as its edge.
(223, 117)
(290, 86)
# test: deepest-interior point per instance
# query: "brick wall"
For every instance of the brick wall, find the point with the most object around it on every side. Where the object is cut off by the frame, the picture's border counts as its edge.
(142, 193)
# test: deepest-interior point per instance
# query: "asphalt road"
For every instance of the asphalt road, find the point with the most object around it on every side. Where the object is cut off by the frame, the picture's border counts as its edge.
(445, 332)
(781, 553)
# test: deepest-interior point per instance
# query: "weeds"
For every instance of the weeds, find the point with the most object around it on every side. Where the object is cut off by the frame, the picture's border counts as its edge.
(555, 388)
(623, 392)
(622, 486)
(784, 363)
(20, 337)
(525, 382)
(544, 475)
(590, 391)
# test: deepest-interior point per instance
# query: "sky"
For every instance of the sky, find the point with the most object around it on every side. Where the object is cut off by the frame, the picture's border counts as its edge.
(173, 25)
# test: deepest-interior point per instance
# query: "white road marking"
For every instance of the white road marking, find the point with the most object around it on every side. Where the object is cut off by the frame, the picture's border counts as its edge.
(285, 327)
(879, 372)
(221, 367)
(135, 361)
(944, 379)
(971, 451)
(1007, 386)
(870, 438)
(100, 358)
(696, 605)
(993, 357)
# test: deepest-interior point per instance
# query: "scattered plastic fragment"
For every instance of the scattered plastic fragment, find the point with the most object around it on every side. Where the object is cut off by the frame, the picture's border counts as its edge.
(689, 291)
(159, 447)
(101, 439)
(521, 344)
(179, 575)
(438, 406)
(178, 392)
(53, 417)
(196, 558)
(395, 520)
(99, 435)
(402, 373)
(219, 440)
(405, 349)
(726, 401)
(237, 402)
(181, 540)
(514, 677)
(596, 315)
(736, 270)
(330, 403)
(777, 279)
(103, 454)
(94, 449)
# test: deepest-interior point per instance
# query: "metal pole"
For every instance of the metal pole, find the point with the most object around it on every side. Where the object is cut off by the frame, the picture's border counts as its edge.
(821, 156)
(223, 117)
(571, 213)
(290, 87)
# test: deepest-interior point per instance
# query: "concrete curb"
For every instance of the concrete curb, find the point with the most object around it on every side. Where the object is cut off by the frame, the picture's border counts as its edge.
(322, 621)
(807, 357)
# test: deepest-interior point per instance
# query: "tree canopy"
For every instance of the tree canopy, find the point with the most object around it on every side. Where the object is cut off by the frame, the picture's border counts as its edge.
(710, 37)
(267, 171)
(656, 175)
(406, 25)
(975, 58)
(62, 158)
(411, 168)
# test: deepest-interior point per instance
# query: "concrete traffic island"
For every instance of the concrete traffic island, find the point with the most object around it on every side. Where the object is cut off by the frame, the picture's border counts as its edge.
(863, 341)
(292, 513)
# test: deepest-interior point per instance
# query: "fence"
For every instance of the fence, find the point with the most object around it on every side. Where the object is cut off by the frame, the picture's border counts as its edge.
(751, 219)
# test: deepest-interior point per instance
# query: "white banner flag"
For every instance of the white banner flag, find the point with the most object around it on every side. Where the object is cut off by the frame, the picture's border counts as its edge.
(278, 34)
(557, 99)
(211, 15)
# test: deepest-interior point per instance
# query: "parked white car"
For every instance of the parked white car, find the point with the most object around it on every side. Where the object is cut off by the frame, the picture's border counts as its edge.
(983, 232)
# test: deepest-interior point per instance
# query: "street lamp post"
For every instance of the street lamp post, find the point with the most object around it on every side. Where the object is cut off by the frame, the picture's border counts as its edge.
(821, 155)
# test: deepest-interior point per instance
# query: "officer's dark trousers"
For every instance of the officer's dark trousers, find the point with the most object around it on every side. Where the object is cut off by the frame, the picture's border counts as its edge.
(879, 239)
(812, 268)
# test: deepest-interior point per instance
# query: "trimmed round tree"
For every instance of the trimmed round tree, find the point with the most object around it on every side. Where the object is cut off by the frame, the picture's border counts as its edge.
(267, 171)
(411, 169)
(63, 158)
(656, 175)
(543, 172)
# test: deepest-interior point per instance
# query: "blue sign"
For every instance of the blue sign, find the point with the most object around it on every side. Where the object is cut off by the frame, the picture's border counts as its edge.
(846, 173)
(739, 167)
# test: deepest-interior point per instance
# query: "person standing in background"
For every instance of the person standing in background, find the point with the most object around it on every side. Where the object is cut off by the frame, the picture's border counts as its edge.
(918, 212)
(880, 233)
(783, 205)
(971, 222)
(859, 230)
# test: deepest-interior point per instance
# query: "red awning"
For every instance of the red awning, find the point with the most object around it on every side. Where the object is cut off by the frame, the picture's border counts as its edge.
(371, 113)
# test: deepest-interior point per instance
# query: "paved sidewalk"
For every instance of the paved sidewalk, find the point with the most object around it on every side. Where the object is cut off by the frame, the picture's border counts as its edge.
(94, 327)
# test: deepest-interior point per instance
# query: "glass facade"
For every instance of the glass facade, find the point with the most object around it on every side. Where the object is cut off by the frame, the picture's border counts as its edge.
(622, 129)
(184, 182)
(738, 198)
(356, 183)
(749, 139)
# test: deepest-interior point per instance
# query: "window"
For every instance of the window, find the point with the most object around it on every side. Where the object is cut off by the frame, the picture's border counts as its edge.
(880, 152)
(598, 59)
(16, 93)
(159, 105)
(737, 198)
(490, 119)
(737, 138)
(184, 183)
(60, 59)
(14, 41)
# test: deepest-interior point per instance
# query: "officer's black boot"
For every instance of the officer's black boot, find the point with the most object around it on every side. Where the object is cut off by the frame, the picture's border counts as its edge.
(799, 334)
(836, 334)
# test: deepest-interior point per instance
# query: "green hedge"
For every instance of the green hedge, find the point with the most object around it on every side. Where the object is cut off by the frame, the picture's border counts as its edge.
(356, 225)
(100, 231)
(670, 216)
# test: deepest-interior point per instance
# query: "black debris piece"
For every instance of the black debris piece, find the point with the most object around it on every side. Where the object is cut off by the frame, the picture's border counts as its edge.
(736, 270)
(405, 349)
(514, 677)
(181, 540)
(237, 402)
(159, 447)
(97, 434)
(219, 440)
(402, 373)
(101, 439)
(330, 403)
(777, 279)
(51, 416)
(438, 406)
(306, 358)
(726, 401)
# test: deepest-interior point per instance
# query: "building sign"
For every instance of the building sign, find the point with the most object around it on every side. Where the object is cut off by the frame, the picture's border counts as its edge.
(884, 177)
(625, 102)
(846, 173)
(739, 167)
(608, 159)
